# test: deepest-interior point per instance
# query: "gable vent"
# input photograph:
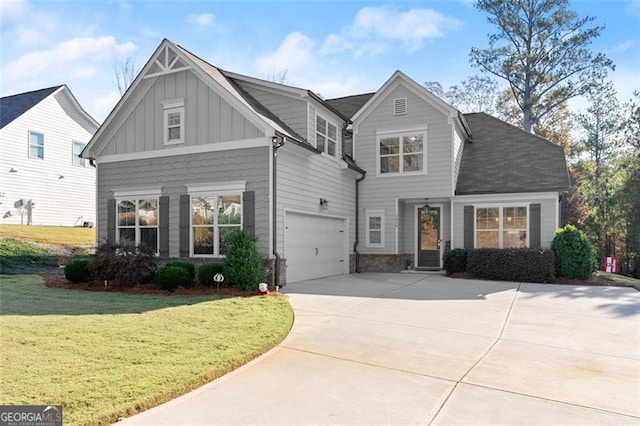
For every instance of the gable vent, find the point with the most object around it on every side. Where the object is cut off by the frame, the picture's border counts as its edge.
(399, 106)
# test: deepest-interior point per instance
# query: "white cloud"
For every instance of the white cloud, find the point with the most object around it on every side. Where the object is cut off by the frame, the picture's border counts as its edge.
(83, 73)
(294, 54)
(202, 19)
(375, 29)
(10, 10)
(65, 56)
(102, 105)
(622, 47)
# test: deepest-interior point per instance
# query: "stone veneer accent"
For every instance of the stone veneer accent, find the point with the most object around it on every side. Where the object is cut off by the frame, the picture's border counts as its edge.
(384, 262)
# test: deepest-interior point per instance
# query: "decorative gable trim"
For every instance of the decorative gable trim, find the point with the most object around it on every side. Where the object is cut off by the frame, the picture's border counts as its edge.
(167, 61)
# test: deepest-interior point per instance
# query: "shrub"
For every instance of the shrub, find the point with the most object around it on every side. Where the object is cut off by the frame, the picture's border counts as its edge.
(171, 277)
(455, 261)
(123, 264)
(243, 266)
(576, 255)
(521, 265)
(77, 270)
(188, 266)
(207, 271)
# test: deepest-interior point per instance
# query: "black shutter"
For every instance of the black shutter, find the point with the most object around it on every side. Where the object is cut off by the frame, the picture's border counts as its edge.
(184, 225)
(111, 221)
(249, 211)
(468, 229)
(534, 226)
(163, 226)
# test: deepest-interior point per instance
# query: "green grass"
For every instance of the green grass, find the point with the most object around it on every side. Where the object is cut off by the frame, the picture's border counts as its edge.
(18, 256)
(57, 235)
(621, 279)
(110, 355)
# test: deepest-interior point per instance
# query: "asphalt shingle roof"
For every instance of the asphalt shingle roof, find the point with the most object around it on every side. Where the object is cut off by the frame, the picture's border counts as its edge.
(12, 107)
(349, 105)
(502, 158)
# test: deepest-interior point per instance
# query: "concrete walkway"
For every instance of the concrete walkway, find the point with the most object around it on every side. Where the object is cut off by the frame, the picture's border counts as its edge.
(426, 349)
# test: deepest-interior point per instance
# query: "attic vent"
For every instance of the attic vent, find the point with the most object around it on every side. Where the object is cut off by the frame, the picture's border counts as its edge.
(399, 106)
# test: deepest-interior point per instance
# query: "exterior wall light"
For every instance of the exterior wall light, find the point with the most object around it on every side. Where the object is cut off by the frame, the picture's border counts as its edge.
(324, 203)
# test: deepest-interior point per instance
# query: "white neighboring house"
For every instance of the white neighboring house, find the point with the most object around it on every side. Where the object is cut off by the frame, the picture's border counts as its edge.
(43, 181)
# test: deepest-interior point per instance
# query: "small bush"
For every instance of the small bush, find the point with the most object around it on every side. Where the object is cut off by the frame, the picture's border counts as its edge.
(243, 266)
(521, 265)
(455, 261)
(576, 255)
(123, 265)
(207, 271)
(77, 270)
(188, 266)
(171, 277)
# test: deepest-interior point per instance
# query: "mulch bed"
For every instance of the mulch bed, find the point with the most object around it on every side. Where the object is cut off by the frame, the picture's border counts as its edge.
(594, 281)
(59, 281)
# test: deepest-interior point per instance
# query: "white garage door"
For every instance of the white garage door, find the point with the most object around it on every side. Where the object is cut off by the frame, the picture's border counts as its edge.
(315, 246)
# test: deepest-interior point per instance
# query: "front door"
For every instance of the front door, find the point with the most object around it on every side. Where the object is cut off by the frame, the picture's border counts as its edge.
(429, 238)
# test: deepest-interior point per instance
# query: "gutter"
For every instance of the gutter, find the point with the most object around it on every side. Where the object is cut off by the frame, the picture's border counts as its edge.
(277, 141)
(356, 242)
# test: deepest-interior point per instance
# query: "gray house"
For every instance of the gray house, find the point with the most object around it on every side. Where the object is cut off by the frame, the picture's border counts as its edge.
(367, 182)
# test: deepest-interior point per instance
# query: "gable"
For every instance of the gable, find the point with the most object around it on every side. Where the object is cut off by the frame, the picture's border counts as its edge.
(502, 158)
(12, 107)
(208, 117)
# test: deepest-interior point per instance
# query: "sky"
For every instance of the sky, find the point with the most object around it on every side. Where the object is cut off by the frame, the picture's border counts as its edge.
(334, 48)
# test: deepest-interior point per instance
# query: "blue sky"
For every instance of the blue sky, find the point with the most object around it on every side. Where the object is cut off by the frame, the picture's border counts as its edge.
(335, 48)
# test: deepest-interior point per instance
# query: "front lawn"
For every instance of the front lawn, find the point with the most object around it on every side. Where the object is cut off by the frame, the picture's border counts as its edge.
(110, 355)
(56, 235)
(619, 279)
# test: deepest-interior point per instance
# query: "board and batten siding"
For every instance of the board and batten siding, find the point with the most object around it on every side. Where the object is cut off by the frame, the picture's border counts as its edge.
(66, 201)
(381, 192)
(208, 118)
(171, 174)
(303, 178)
(549, 212)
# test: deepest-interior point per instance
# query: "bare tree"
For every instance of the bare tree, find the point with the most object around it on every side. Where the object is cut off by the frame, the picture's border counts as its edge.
(125, 72)
(278, 76)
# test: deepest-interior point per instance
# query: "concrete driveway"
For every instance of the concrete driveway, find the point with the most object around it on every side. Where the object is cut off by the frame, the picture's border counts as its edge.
(426, 349)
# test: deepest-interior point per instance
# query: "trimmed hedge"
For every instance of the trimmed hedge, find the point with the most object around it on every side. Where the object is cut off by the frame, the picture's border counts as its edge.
(207, 271)
(521, 265)
(171, 277)
(187, 266)
(455, 261)
(77, 270)
(576, 254)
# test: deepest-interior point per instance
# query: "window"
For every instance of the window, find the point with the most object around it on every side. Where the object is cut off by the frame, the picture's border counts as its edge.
(502, 227)
(137, 222)
(36, 145)
(212, 217)
(76, 149)
(401, 153)
(375, 228)
(326, 136)
(173, 121)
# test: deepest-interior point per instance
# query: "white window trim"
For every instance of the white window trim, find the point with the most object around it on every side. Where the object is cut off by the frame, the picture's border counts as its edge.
(381, 215)
(337, 141)
(137, 196)
(214, 190)
(173, 106)
(500, 208)
(29, 144)
(400, 134)
(75, 158)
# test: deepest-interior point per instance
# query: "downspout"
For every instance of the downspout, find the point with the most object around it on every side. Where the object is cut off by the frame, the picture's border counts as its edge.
(277, 142)
(355, 244)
